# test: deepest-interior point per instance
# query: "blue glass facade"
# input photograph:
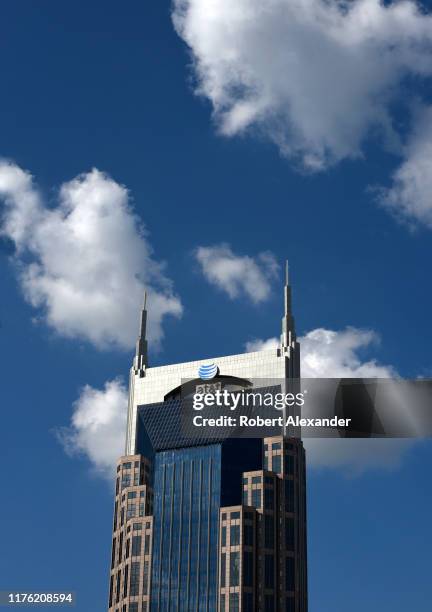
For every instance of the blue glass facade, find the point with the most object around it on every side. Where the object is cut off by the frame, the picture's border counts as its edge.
(186, 511)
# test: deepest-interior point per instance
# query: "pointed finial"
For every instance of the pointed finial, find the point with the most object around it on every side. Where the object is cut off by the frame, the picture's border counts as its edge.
(140, 360)
(143, 319)
(288, 331)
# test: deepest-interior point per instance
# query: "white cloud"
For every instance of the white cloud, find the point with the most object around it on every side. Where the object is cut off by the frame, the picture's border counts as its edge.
(261, 345)
(98, 426)
(237, 274)
(336, 354)
(85, 262)
(410, 196)
(315, 77)
(331, 354)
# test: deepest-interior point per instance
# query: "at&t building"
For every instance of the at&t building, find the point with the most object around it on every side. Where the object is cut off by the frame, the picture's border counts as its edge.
(205, 525)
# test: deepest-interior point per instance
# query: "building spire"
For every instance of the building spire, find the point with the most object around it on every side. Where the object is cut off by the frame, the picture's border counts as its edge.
(288, 328)
(140, 361)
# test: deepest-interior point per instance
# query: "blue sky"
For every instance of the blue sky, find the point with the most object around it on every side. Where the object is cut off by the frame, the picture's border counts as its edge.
(111, 86)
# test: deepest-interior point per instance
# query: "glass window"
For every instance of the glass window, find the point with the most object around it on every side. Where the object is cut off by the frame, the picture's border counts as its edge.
(234, 568)
(245, 497)
(131, 511)
(276, 446)
(276, 464)
(147, 544)
(223, 569)
(269, 531)
(289, 495)
(268, 499)
(248, 535)
(256, 498)
(113, 550)
(290, 604)
(245, 480)
(136, 546)
(234, 602)
(145, 577)
(137, 526)
(266, 462)
(269, 603)
(269, 571)
(222, 603)
(223, 516)
(132, 495)
(265, 447)
(134, 578)
(115, 516)
(248, 569)
(127, 466)
(224, 531)
(125, 582)
(235, 515)
(118, 586)
(289, 574)
(248, 602)
(133, 607)
(120, 548)
(111, 591)
(234, 535)
(289, 533)
(256, 479)
(136, 464)
(289, 465)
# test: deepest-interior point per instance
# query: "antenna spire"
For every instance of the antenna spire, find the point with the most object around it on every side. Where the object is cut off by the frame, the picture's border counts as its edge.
(288, 328)
(140, 361)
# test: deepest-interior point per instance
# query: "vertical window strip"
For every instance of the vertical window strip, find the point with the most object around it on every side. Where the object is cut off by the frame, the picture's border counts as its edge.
(209, 492)
(172, 488)
(180, 535)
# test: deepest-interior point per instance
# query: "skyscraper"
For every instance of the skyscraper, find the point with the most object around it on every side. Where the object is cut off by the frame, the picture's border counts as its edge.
(208, 524)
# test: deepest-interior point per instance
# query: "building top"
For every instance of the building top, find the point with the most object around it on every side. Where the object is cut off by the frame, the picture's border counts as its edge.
(149, 385)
